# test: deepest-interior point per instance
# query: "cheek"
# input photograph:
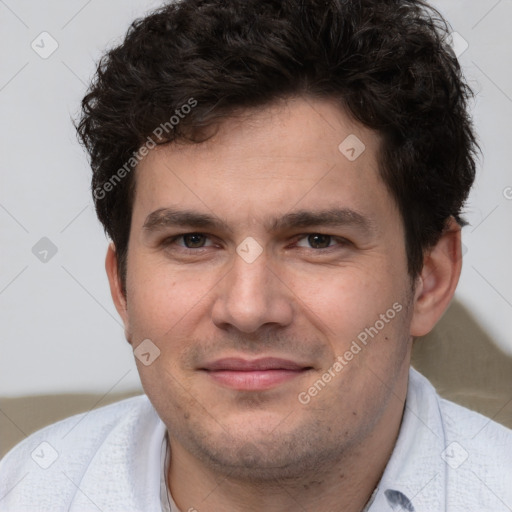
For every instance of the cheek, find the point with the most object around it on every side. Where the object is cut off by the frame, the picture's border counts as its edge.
(161, 299)
(346, 300)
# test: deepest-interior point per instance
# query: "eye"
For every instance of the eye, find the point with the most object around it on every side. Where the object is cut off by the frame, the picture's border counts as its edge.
(194, 240)
(190, 240)
(321, 241)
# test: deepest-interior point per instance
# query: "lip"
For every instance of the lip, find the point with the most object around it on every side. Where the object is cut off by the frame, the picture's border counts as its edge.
(253, 375)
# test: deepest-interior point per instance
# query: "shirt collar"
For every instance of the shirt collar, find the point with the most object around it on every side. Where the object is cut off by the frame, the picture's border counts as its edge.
(166, 500)
(415, 476)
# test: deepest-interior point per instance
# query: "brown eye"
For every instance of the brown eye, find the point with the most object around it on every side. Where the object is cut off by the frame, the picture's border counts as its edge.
(194, 240)
(318, 241)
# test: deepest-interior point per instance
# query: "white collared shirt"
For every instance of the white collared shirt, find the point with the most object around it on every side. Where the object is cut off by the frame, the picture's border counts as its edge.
(446, 459)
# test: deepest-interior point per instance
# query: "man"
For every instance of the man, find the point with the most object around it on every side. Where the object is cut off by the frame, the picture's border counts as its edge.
(282, 182)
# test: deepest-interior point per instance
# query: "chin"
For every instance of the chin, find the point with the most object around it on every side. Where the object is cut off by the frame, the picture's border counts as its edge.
(251, 449)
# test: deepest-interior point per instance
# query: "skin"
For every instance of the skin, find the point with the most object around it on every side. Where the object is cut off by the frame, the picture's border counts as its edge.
(299, 300)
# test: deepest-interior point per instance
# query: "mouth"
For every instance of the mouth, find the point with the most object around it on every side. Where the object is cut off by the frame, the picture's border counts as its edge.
(254, 375)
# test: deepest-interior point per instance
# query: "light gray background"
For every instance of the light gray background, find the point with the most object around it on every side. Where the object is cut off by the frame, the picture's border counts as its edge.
(59, 329)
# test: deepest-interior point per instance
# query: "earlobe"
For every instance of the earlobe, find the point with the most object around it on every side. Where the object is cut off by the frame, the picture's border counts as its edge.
(438, 280)
(116, 290)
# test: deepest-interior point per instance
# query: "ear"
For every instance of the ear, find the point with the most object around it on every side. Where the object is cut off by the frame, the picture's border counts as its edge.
(439, 277)
(116, 289)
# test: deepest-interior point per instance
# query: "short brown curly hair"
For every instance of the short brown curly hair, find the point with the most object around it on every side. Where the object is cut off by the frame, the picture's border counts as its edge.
(387, 62)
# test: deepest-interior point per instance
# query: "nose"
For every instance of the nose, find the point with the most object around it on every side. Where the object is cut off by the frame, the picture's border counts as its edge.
(252, 295)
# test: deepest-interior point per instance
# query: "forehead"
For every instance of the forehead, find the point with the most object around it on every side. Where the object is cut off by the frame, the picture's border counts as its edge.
(296, 153)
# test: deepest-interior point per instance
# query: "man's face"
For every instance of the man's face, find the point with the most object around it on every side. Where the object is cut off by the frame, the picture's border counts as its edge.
(252, 311)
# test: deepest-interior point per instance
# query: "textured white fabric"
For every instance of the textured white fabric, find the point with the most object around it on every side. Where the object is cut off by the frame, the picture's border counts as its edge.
(108, 460)
(446, 458)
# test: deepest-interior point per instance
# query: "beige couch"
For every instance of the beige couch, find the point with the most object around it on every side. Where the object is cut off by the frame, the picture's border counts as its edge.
(457, 356)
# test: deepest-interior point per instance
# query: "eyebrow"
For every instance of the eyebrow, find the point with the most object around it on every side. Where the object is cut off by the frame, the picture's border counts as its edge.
(332, 217)
(169, 217)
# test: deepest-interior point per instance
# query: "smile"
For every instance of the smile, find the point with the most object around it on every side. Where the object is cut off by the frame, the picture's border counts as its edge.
(257, 375)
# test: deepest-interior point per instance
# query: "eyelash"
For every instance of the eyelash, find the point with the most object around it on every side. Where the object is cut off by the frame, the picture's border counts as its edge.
(341, 242)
